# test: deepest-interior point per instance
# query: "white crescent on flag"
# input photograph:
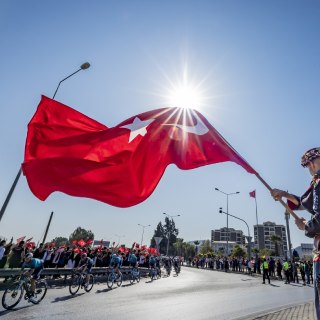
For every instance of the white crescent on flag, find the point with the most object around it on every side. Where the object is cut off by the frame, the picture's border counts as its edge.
(199, 129)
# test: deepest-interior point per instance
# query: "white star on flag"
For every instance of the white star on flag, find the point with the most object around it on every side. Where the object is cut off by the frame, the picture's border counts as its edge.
(137, 127)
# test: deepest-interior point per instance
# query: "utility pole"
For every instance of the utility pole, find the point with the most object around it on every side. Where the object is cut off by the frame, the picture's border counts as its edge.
(48, 225)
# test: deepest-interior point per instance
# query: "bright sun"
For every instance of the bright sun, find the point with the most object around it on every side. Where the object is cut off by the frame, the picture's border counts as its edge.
(185, 96)
(185, 92)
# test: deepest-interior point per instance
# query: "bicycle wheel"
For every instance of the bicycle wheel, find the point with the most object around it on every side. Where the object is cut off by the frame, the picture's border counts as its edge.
(89, 286)
(40, 292)
(110, 280)
(138, 276)
(131, 278)
(12, 296)
(119, 280)
(74, 285)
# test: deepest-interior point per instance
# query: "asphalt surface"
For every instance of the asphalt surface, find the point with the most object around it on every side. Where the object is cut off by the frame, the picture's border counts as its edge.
(194, 294)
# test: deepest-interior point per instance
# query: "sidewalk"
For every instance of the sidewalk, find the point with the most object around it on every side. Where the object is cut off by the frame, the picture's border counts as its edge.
(299, 312)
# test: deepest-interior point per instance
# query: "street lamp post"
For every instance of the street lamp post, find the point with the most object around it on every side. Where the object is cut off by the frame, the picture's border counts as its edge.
(227, 194)
(84, 66)
(169, 233)
(248, 237)
(142, 232)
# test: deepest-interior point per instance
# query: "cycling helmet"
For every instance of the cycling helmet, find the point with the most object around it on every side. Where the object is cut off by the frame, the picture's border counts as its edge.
(84, 255)
(309, 156)
(114, 255)
(29, 255)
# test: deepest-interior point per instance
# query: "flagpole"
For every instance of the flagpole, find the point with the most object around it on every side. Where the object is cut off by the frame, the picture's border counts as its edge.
(259, 177)
(281, 201)
(84, 66)
(255, 199)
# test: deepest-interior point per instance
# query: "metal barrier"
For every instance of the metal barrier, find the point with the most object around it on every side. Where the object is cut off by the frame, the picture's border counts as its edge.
(64, 271)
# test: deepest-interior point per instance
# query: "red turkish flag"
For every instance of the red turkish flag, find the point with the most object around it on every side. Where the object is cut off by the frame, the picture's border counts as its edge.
(69, 152)
(81, 243)
(89, 241)
(252, 194)
(74, 242)
(31, 245)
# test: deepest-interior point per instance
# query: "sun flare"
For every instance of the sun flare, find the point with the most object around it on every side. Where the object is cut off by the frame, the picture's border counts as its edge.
(185, 96)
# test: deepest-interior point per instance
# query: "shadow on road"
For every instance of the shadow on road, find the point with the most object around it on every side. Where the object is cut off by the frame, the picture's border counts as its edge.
(273, 285)
(103, 290)
(246, 279)
(65, 298)
(127, 285)
(4, 312)
(295, 284)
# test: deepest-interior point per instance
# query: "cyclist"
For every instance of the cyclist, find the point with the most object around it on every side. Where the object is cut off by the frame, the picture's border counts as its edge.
(35, 266)
(133, 260)
(116, 263)
(167, 265)
(158, 266)
(152, 264)
(85, 264)
(176, 264)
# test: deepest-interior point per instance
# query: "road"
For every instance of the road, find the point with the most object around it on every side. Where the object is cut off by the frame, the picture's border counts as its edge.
(194, 294)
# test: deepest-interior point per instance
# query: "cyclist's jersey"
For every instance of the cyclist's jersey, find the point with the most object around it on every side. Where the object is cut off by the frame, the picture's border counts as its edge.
(167, 263)
(115, 262)
(152, 262)
(35, 263)
(121, 261)
(87, 261)
(133, 259)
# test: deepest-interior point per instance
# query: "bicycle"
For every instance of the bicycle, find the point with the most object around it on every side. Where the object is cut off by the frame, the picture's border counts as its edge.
(159, 272)
(177, 269)
(79, 279)
(13, 294)
(168, 269)
(153, 273)
(134, 275)
(114, 277)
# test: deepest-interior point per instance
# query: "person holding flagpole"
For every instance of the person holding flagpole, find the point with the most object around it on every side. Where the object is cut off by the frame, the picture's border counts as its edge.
(309, 201)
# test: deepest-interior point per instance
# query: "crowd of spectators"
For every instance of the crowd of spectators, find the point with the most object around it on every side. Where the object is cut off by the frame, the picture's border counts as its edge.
(12, 255)
(281, 269)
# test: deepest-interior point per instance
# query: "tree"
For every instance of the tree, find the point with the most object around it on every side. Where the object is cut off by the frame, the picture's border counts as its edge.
(265, 252)
(184, 249)
(189, 250)
(196, 243)
(60, 241)
(206, 248)
(159, 232)
(256, 251)
(221, 251)
(276, 240)
(171, 233)
(179, 247)
(168, 230)
(238, 251)
(81, 233)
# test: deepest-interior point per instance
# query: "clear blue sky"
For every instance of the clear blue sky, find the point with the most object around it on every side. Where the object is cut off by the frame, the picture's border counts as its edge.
(257, 64)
